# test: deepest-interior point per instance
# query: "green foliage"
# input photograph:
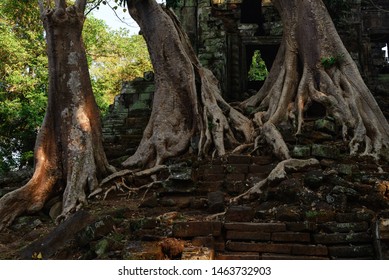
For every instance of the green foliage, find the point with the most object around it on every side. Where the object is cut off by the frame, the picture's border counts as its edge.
(258, 70)
(23, 81)
(113, 56)
(331, 61)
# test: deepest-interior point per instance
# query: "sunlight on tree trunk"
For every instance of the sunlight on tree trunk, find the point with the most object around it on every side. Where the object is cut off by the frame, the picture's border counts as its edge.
(69, 155)
(188, 108)
(312, 64)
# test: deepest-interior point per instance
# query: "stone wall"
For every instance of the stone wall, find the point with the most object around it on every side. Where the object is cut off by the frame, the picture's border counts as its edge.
(128, 116)
(225, 34)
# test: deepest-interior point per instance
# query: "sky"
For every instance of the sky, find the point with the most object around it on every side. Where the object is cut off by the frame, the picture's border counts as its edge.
(107, 14)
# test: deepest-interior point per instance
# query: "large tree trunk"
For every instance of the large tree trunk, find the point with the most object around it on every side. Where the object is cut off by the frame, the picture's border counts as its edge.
(187, 108)
(313, 65)
(69, 155)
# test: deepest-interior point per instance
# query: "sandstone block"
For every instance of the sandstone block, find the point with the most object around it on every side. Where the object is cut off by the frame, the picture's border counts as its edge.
(192, 229)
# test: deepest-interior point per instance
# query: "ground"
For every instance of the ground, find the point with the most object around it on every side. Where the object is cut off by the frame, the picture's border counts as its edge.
(120, 226)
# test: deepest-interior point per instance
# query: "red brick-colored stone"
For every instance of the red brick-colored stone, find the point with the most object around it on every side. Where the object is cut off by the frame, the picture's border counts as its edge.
(235, 177)
(339, 238)
(254, 168)
(301, 226)
(267, 256)
(248, 235)
(238, 256)
(192, 229)
(239, 159)
(351, 251)
(259, 247)
(310, 250)
(302, 237)
(259, 227)
(345, 227)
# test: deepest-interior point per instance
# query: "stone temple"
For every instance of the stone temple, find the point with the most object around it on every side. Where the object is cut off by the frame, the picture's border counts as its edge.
(226, 34)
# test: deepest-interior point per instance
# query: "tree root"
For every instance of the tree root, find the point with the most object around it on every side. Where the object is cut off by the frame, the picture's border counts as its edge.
(277, 174)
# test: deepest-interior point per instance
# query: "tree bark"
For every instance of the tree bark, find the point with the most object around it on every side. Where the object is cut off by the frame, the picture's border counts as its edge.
(188, 109)
(69, 155)
(300, 75)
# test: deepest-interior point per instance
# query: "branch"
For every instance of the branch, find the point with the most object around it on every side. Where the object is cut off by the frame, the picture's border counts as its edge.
(80, 6)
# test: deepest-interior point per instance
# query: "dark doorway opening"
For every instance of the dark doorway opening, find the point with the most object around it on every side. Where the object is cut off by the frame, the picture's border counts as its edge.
(251, 12)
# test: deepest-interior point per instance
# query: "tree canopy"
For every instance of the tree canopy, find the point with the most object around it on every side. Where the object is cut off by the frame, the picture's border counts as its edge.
(114, 56)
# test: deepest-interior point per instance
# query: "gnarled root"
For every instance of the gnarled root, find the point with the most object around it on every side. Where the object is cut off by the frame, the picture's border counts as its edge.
(277, 174)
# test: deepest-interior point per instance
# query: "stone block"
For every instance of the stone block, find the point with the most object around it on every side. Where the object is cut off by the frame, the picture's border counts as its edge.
(258, 227)
(239, 213)
(236, 188)
(262, 160)
(259, 247)
(351, 251)
(310, 250)
(209, 186)
(325, 125)
(265, 169)
(248, 235)
(238, 256)
(383, 229)
(301, 226)
(325, 151)
(301, 151)
(235, 177)
(267, 256)
(239, 159)
(236, 168)
(211, 169)
(198, 253)
(301, 237)
(192, 229)
(345, 227)
(339, 238)
(216, 202)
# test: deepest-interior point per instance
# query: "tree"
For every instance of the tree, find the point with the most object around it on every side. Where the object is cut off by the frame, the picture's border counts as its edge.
(188, 109)
(23, 82)
(69, 156)
(114, 56)
(312, 64)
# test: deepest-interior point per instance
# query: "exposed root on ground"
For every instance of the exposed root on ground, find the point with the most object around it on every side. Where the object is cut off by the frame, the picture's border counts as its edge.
(276, 175)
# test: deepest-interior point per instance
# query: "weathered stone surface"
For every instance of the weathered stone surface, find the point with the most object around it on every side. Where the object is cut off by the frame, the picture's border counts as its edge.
(351, 251)
(300, 151)
(313, 179)
(248, 235)
(383, 229)
(267, 256)
(301, 226)
(325, 151)
(59, 237)
(239, 213)
(309, 250)
(259, 247)
(345, 227)
(258, 227)
(192, 229)
(300, 237)
(237, 256)
(198, 253)
(339, 238)
(238, 159)
(216, 202)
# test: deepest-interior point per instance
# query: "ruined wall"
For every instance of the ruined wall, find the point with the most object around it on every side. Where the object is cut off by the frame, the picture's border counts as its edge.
(225, 34)
(128, 116)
